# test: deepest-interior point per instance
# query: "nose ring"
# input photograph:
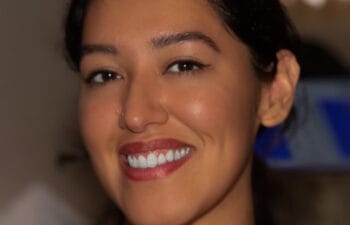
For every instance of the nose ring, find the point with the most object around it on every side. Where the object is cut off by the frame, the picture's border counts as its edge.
(122, 123)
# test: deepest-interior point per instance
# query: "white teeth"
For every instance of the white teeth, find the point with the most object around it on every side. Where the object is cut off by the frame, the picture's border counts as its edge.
(142, 162)
(177, 155)
(169, 156)
(161, 159)
(152, 160)
(131, 161)
(136, 163)
(183, 152)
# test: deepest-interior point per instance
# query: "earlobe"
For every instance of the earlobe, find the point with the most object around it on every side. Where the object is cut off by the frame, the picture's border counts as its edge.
(278, 95)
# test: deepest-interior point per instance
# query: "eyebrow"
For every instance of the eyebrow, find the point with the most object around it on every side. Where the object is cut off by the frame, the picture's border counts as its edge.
(158, 42)
(98, 48)
(166, 40)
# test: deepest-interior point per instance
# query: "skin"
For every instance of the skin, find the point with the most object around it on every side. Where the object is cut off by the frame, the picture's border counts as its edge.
(217, 108)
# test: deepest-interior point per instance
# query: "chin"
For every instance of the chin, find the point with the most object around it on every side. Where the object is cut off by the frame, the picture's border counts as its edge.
(159, 214)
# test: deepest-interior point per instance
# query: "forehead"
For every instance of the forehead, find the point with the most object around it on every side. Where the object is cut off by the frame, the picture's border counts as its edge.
(139, 18)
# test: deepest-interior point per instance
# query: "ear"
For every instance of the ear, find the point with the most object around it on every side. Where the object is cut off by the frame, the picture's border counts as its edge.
(277, 95)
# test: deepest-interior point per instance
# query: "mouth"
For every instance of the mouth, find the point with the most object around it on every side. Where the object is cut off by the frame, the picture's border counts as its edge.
(142, 161)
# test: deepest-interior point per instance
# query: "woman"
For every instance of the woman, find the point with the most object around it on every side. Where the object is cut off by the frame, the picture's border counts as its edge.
(173, 96)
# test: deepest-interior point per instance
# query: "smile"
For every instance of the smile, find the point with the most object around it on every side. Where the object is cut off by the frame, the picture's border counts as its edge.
(142, 161)
(157, 158)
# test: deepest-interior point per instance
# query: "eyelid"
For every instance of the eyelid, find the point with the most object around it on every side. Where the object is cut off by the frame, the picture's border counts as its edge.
(193, 62)
(109, 76)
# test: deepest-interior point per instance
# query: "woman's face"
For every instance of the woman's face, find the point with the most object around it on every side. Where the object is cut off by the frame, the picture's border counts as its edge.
(168, 109)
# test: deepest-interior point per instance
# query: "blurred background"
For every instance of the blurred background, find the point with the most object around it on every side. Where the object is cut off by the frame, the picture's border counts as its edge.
(43, 182)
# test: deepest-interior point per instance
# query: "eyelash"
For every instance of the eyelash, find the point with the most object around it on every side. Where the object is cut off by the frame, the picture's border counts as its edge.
(182, 67)
(186, 67)
(102, 76)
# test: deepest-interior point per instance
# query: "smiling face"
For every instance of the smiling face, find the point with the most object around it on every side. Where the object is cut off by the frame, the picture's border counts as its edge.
(169, 111)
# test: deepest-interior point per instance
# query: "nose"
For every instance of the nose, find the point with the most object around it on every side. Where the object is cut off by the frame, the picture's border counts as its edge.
(143, 107)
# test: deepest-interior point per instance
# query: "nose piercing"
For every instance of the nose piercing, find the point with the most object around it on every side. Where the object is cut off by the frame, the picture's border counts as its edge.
(122, 123)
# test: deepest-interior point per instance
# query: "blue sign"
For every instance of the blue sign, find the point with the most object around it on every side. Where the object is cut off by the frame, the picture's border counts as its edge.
(319, 138)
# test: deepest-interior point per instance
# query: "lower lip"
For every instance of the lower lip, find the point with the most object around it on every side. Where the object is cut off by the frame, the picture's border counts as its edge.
(153, 173)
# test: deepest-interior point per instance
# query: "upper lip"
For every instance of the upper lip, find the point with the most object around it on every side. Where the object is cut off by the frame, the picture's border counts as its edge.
(156, 144)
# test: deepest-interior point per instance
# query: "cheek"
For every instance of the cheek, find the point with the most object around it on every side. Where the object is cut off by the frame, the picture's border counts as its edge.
(217, 111)
(98, 117)
(99, 129)
(223, 118)
(91, 120)
(99, 126)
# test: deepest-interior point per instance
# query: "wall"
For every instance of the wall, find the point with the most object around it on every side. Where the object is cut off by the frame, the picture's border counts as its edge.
(38, 97)
(328, 25)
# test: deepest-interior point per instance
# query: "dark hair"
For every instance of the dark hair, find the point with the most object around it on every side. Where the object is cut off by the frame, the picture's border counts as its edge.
(262, 25)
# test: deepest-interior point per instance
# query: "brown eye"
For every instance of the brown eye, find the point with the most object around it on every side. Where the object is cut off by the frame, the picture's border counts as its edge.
(185, 66)
(103, 76)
